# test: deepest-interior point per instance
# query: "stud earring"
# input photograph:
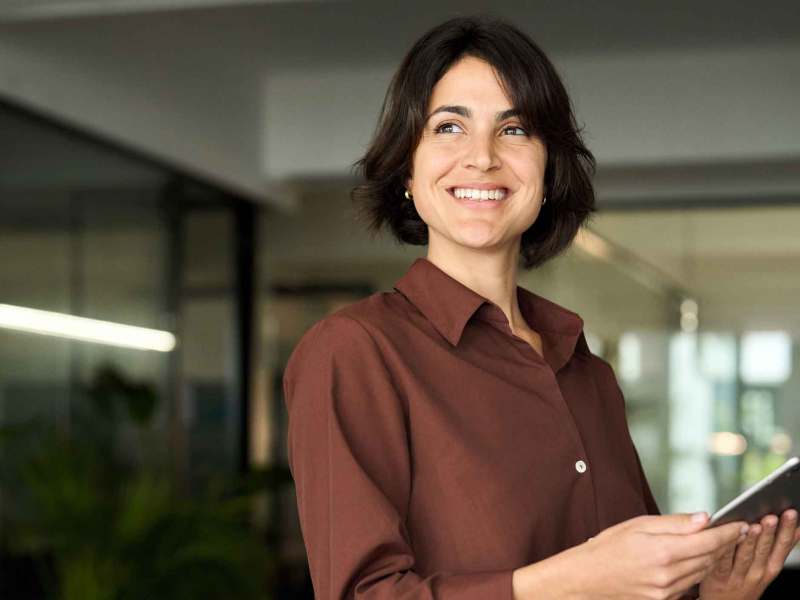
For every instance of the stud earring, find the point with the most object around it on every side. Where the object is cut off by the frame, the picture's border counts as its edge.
(407, 195)
(544, 200)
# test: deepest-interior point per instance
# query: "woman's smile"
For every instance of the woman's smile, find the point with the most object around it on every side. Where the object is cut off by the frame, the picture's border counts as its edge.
(480, 197)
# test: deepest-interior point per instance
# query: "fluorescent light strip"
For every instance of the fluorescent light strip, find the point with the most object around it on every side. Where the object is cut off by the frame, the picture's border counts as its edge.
(88, 330)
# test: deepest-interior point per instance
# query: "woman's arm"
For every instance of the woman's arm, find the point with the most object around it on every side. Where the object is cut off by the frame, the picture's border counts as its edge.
(349, 455)
(646, 557)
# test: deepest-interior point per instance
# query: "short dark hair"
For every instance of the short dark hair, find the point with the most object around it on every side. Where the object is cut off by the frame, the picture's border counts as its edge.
(534, 87)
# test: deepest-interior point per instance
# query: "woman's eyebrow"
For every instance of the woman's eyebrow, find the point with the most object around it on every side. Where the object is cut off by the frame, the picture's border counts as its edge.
(467, 113)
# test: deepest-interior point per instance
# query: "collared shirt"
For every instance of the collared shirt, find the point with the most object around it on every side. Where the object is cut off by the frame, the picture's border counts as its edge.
(434, 452)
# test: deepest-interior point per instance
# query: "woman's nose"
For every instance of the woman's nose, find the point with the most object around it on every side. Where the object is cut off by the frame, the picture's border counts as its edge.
(481, 153)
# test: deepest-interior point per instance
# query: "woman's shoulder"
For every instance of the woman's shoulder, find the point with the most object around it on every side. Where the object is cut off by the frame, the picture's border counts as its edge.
(379, 315)
(359, 328)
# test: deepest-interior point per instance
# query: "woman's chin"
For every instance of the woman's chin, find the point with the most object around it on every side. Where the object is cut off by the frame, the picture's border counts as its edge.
(474, 236)
(479, 242)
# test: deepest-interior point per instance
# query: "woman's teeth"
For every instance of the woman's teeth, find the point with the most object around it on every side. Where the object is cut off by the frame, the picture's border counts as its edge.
(479, 195)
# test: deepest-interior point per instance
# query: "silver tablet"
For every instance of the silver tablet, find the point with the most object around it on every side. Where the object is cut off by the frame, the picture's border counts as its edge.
(777, 492)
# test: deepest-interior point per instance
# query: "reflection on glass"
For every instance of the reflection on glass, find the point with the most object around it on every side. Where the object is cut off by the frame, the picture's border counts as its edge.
(55, 324)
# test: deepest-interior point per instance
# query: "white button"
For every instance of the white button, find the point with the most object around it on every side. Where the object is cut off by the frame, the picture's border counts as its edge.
(580, 466)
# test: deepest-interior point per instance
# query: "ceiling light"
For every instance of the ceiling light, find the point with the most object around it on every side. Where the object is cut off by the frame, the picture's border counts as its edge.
(88, 330)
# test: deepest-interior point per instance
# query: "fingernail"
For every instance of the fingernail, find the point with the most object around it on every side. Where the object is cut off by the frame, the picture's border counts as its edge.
(699, 517)
(745, 529)
(792, 515)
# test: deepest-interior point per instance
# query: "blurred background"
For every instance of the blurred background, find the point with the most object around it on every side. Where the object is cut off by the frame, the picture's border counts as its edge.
(177, 172)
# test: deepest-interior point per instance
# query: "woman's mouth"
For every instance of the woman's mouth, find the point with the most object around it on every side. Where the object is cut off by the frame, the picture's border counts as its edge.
(483, 198)
(475, 194)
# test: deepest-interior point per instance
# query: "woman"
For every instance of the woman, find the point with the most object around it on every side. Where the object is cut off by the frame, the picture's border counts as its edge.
(455, 438)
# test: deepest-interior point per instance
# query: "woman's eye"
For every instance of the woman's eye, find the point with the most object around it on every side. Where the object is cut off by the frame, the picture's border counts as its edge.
(448, 128)
(515, 130)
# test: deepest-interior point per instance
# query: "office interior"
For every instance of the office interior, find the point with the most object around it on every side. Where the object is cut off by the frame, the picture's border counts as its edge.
(183, 169)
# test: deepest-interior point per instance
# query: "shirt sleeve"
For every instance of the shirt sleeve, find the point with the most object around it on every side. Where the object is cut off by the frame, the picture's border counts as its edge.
(349, 455)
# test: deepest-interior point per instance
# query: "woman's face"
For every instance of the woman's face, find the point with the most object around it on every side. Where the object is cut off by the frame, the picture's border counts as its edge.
(473, 143)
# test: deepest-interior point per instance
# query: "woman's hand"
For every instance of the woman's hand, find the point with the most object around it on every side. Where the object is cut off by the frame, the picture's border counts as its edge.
(744, 572)
(647, 557)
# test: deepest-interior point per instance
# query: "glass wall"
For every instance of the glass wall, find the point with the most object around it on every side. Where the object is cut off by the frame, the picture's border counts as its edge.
(94, 253)
(122, 387)
(89, 232)
(725, 373)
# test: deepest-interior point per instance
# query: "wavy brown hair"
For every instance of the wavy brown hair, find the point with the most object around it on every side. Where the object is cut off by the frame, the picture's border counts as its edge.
(535, 89)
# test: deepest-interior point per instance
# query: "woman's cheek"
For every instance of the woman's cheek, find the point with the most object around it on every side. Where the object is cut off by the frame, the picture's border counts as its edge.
(422, 211)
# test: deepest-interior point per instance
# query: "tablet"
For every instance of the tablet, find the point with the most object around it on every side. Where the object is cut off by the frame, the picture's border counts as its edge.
(777, 492)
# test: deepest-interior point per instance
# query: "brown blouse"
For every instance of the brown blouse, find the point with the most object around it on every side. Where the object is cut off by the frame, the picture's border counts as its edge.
(434, 451)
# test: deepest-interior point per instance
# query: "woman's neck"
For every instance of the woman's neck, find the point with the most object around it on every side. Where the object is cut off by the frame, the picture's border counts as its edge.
(492, 275)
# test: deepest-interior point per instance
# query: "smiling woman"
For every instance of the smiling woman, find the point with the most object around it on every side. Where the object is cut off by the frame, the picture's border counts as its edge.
(474, 152)
(479, 92)
(455, 438)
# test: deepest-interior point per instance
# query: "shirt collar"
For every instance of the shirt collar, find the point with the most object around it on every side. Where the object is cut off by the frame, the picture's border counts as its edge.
(449, 305)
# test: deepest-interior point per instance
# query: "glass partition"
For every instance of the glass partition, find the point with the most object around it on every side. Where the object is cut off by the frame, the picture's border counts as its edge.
(122, 316)
(724, 379)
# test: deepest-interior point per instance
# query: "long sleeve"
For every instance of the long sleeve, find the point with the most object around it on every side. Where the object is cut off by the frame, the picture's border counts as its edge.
(350, 458)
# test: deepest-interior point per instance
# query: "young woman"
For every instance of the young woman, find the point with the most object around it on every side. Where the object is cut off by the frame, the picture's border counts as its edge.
(455, 438)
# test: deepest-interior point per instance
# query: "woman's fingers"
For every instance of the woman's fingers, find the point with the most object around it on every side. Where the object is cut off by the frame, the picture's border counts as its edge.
(753, 559)
(692, 571)
(724, 565)
(763, 546)
(692, 566)
(746, 551)
(708, 541)
(784, 542)
(680, 523)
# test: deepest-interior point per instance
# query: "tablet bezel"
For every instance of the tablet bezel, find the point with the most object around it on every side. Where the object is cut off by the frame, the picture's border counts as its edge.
(793, 464)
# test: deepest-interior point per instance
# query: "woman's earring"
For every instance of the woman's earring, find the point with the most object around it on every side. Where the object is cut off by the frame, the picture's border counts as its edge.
(544, 200)
(407, 195)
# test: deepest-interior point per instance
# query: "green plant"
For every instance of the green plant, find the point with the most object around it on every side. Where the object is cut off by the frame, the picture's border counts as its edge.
(106, 529)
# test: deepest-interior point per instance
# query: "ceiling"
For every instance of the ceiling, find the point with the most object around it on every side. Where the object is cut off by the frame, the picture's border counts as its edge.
(334, 31)
(45, 156)
(28, 10)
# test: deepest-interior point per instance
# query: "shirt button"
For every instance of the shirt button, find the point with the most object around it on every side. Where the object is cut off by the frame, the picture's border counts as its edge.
(580, 466)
